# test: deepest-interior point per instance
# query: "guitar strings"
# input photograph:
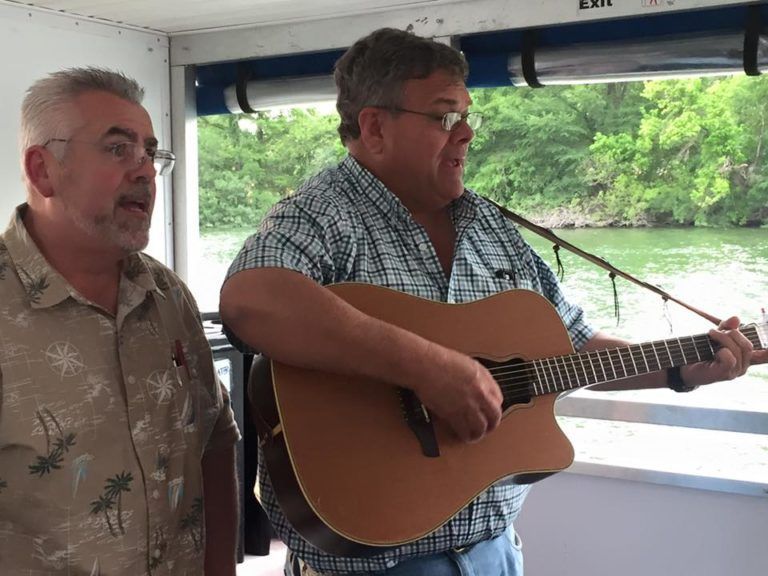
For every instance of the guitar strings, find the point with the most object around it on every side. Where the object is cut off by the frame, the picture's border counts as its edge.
(522, 378)
(701, 345)
(626, 355)
(558, 369)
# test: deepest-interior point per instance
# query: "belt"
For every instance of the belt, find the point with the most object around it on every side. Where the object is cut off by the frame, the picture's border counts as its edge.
(301, 568)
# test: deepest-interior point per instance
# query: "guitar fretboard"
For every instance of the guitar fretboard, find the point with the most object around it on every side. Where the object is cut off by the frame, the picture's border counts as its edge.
(561, 373)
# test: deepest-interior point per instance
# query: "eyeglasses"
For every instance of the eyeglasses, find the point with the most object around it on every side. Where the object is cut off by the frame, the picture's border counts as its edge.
(132, 154)
(449, 120)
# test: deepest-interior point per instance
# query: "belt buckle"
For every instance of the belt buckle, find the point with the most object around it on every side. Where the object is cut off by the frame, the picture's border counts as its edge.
(462, 549)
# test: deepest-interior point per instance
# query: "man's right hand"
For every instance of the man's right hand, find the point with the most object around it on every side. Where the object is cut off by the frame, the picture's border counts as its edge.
(463, 394)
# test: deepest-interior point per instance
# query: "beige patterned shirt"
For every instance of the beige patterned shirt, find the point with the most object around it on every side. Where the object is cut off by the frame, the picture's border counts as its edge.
(103, 421)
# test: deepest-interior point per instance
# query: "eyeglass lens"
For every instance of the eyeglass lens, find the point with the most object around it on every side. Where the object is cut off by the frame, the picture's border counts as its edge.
(164, 162)
(452, 119)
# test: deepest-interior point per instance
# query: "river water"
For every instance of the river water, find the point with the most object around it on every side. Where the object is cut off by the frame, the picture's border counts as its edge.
(723, 272)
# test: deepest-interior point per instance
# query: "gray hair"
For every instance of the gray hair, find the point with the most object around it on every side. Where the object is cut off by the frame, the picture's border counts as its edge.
(44, 113)
(372, 72)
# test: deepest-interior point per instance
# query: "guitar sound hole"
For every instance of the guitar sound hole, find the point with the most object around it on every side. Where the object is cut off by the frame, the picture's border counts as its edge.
(514, 380)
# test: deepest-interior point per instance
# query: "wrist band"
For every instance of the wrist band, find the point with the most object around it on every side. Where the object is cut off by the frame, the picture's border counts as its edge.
(675, 381)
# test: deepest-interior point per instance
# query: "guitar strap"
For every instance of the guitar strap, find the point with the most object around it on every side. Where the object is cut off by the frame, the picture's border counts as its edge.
(558, 242)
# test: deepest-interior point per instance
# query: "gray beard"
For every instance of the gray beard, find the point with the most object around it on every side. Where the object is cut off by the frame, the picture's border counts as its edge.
(106, 229)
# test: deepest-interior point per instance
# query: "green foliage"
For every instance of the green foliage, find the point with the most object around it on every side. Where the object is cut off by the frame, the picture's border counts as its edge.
(531, 151)
(686, 152)
(247, 163)
(695, 158)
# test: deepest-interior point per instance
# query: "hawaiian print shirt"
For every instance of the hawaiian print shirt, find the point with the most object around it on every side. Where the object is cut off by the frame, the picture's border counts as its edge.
(103, 421)
(344, 225)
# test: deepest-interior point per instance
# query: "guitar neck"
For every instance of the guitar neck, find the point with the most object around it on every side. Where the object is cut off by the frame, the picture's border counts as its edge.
(561, 373)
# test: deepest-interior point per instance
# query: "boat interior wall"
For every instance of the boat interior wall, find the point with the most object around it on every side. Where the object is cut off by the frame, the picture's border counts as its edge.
(35, 43)
(186, 16)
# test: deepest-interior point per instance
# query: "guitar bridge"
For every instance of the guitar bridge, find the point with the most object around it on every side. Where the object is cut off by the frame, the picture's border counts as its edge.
(418, 420)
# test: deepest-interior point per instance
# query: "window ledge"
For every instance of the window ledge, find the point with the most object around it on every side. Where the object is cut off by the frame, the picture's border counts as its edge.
(666, 478)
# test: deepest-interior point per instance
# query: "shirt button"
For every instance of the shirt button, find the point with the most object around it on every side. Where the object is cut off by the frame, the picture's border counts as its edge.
(424, 248)
(131, 380)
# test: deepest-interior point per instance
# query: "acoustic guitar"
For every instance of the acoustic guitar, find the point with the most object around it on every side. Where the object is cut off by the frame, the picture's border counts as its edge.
(359, 467)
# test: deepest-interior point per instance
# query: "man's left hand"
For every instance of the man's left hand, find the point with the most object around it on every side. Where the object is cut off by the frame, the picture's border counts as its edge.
(732, 359)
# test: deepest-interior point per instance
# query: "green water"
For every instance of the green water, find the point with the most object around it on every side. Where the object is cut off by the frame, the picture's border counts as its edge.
(723, 272)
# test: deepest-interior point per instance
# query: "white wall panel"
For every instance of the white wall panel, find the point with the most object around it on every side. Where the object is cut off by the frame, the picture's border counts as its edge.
(578, 525)
(173, 16)
(449, 19)
(34, 43)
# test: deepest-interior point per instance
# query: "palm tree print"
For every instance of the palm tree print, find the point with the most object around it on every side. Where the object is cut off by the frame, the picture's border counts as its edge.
(193, 523)
(161, 281)
(113, 495)
(144, 315)
(133, 268)
(104, 505)
(54, 453)
(3, 260)
(114, 489)
(36, 287)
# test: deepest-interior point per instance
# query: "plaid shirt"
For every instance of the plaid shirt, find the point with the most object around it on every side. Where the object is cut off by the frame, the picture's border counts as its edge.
(345, 225)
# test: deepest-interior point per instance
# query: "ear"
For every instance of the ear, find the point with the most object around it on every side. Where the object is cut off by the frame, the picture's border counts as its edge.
(371, 121)
(38, 170)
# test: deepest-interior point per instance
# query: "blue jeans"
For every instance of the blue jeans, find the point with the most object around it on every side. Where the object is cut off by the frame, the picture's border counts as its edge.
(502, 556)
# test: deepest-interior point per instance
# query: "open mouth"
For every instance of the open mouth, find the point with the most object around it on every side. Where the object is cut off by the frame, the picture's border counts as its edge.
(137, 206)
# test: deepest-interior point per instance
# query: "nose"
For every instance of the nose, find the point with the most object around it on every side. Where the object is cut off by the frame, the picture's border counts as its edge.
(462, 133)
(143, 167)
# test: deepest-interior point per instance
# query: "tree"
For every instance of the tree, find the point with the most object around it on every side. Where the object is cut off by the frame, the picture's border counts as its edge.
(697, 157)
(103, 505)
(247, 163)
(530, 152)
(686, 151)
(113, 490)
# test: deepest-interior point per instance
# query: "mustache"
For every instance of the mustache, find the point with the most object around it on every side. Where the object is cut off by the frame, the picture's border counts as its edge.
(139, 193)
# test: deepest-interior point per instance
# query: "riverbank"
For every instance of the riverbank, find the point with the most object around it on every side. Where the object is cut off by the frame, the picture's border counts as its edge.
(570, 217)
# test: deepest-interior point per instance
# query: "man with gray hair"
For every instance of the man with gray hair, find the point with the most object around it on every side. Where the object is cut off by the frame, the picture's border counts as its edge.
(395, 213)
(116, 437)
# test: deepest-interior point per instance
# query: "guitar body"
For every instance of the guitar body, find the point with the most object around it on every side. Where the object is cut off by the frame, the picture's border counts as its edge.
(349, 473)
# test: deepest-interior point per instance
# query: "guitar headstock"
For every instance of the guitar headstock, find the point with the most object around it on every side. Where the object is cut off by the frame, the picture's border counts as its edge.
(762, 332)
(760, 338)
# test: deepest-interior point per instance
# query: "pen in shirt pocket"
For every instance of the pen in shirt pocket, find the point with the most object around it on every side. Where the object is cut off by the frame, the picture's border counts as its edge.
(179, 360)
(505, 274)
